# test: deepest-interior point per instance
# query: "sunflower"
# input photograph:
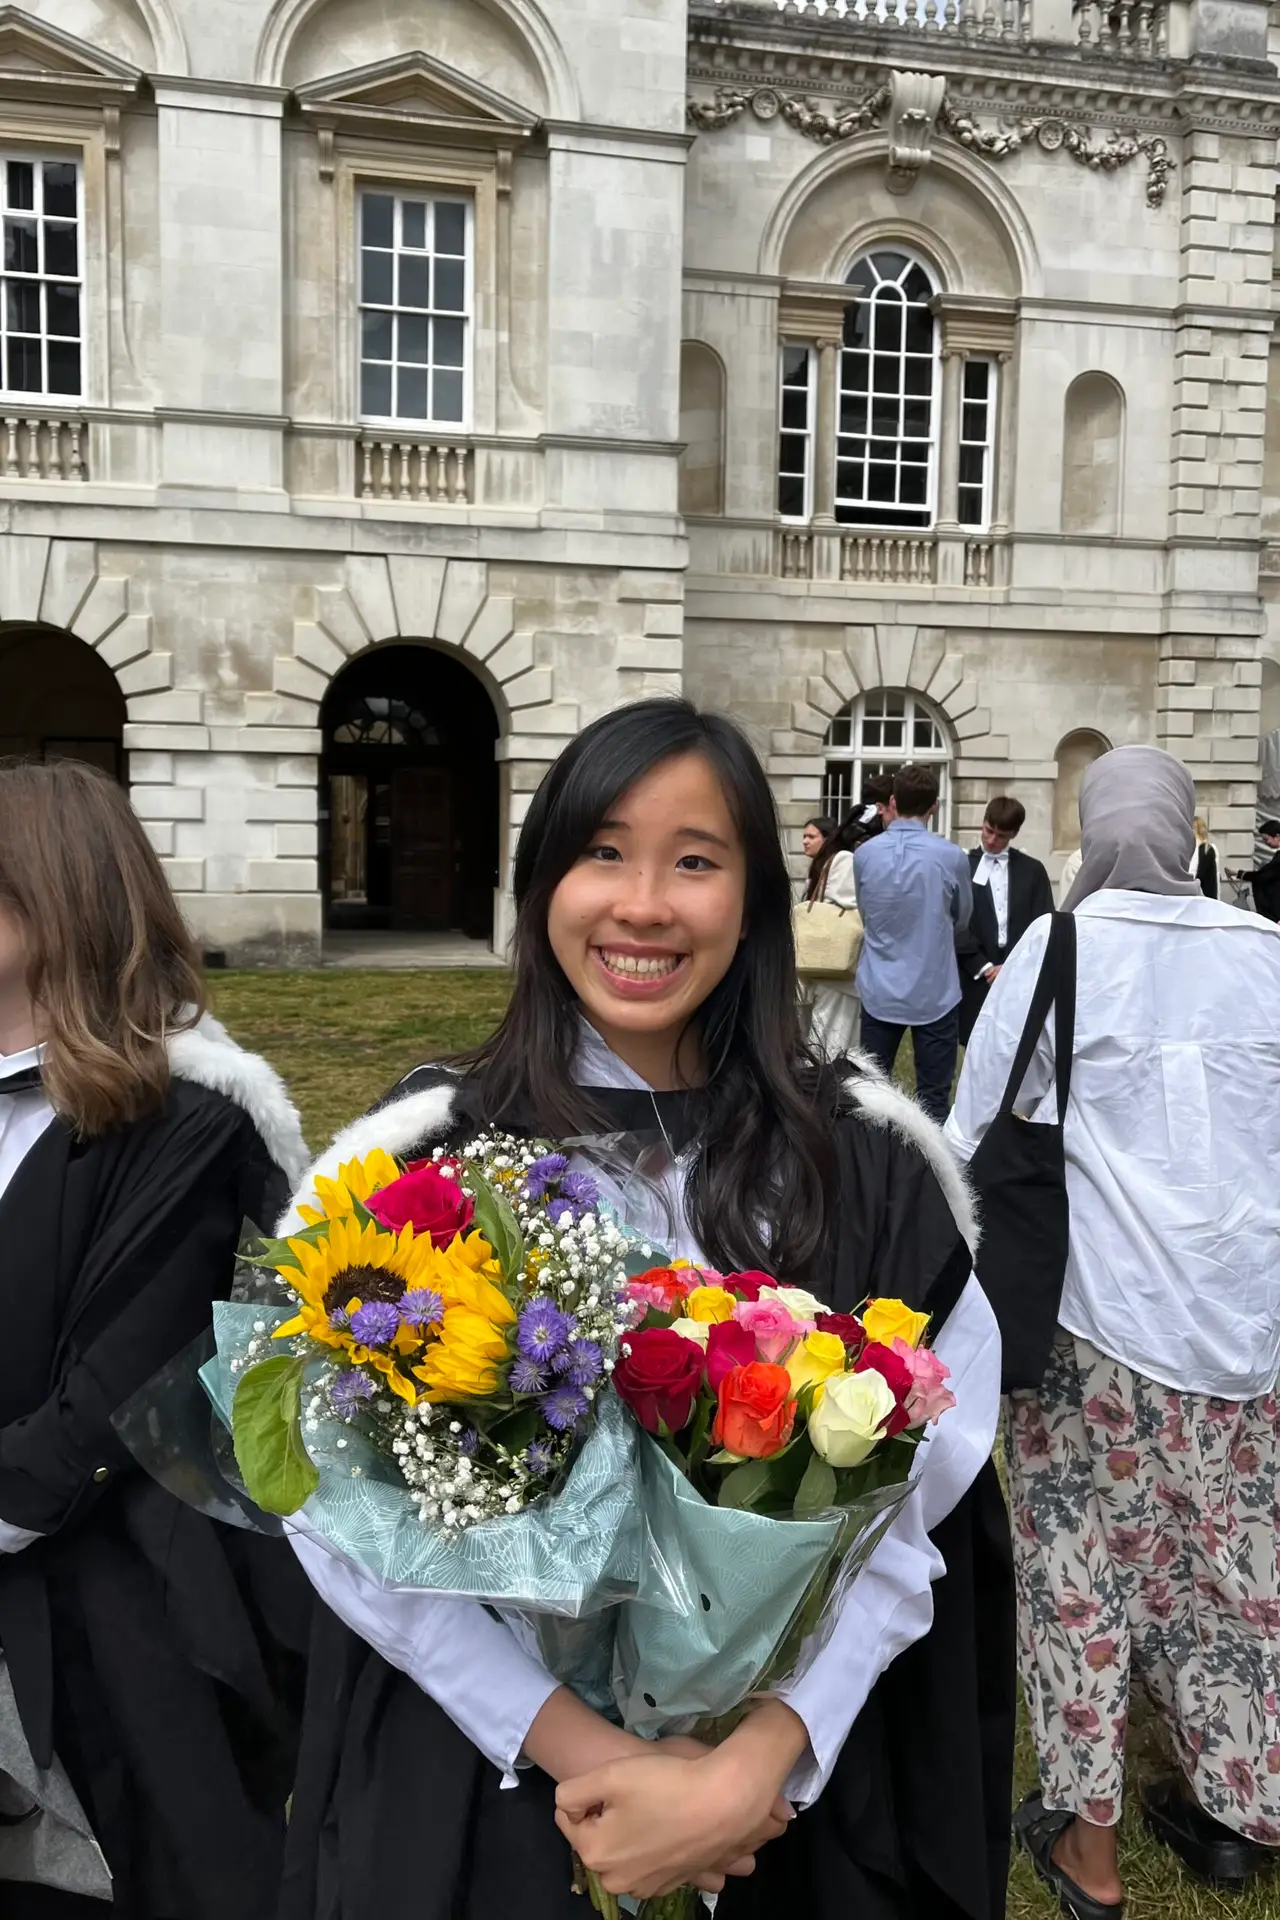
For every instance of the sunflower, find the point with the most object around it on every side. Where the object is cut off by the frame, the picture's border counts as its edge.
(349, 1268)
(357, 1180)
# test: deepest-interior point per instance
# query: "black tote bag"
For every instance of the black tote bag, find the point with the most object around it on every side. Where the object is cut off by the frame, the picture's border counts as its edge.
(1019, 1171)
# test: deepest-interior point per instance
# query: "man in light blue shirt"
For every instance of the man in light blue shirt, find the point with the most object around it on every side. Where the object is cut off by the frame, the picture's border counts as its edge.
(915, 894)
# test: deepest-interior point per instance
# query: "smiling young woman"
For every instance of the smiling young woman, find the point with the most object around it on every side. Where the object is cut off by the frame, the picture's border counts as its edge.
(655, 1004)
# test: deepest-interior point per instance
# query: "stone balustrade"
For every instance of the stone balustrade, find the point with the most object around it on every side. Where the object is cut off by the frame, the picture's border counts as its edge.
(869, 557)
(436, 473)
(888, 559)
(41, 446)
(1137, 28)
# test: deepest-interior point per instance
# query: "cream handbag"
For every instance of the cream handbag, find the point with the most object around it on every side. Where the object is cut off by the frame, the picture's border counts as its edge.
(828, 938)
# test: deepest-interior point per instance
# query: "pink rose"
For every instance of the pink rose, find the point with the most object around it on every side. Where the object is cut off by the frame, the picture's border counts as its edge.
(427, 1199)
(930, 1397)
(771, 1327)
(728, 1346)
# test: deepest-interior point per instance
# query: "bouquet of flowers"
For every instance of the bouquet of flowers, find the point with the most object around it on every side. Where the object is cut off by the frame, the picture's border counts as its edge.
(421, 1365)
(781, 1443)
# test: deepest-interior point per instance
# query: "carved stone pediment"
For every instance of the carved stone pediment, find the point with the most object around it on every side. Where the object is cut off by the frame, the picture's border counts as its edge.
(419, 96)
(41, 62)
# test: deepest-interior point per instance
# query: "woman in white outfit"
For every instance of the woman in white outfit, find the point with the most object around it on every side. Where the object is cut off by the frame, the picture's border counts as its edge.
(835, 1011)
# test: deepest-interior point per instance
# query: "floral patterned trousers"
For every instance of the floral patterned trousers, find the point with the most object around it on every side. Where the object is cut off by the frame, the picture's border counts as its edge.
(1145, 1543)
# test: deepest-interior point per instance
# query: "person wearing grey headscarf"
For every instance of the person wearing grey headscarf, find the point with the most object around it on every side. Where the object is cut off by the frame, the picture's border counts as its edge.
(1142, 1470)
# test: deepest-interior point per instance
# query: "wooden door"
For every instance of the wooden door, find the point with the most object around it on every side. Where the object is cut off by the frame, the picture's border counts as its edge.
(422, 867)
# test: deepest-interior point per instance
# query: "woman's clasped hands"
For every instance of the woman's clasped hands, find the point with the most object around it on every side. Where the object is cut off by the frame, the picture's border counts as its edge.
(683, 1814)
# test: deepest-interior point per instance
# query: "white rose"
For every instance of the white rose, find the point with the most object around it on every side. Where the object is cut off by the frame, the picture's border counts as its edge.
(698, 1330)
(799, 1304)
(845, 1423)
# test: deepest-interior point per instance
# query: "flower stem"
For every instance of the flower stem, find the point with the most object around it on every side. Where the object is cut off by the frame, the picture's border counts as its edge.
(585, 1881)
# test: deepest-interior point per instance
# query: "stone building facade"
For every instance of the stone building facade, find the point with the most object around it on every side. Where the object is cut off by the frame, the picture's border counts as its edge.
(386, 391)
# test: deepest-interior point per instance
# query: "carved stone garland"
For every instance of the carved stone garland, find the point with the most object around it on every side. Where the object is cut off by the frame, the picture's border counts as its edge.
(920, 101)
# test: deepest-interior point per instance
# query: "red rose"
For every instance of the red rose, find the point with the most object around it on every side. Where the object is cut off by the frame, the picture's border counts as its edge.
(748, 1285)
(427, 1200)
(659, 1377)
(728, 1346)
(897, 1376)
(846, 1325)
(756, 1412)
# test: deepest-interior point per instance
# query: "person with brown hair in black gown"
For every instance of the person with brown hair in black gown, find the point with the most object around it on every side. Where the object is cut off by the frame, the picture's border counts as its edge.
(654, 1023)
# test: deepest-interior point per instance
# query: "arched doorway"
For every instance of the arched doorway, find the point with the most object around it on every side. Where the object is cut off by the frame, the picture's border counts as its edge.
(409, 795)
(58, 700)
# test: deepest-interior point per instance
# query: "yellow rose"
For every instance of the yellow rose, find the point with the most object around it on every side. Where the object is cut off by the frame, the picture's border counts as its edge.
(885, 1321)
(699, 1330)
(817, 1357)
(845, 1423)
(710, 1304)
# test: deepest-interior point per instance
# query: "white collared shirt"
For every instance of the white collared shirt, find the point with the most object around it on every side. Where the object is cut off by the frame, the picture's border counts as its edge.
(23, 1118)
(1172, 1133)
(487, 1677)
(993, 871)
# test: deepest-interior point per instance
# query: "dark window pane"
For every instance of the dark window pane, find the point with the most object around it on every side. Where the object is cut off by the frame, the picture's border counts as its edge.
(884, 450)
(893, 703)
(919, 331)
(791, 453)
(413, 223)
(450, 286)
(448, 342)
(886, 371)
(63, 307)
(795, 361)
(923, 733)
(377, 221)
(22, 306)
(917, 376)
(915, 453)
(21, 183)
(448, 396)
(61, 249)
(977, 379)
(861, 278)
(884, 419)
(414, 280)
(971, 506)
(375, 336)
(890, 266)
(791, 495)
(413, 338)
(914, 486)
(888, 333)
(375, 391)
(853, 413)
(973, 423)
(24, 374)
(451, 227)
(881, 483)
(972, 463)
(411, 393)
(915, 419)
(795, 408)
(849, 480)
(857, 325)
(855, 371)
(60, 188)
(916, 285)
(64, 366)
(376, 283)
(20, 246)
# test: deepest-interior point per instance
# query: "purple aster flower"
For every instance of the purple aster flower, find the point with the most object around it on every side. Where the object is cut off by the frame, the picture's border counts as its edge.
(527, 1376)
(563, 1407)
(581, 1189)
(468, 1441)
(539, 1458)
(543, 1329)
(586, 1363)
(377, 1324)
(562, 1212)
(339, 1319)
(544, 1173)
(349, 1391)
(421, 1307)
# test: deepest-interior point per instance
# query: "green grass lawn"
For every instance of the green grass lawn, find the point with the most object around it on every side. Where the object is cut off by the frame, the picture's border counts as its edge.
(342, 1039)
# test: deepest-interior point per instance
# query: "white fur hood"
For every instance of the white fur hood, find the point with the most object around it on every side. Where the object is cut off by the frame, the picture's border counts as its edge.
(208, 1057)
(416, 1118)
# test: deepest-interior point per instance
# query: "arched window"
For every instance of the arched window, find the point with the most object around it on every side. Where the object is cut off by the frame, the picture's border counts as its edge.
(886, 444)
(1075, 754)
(877, 733)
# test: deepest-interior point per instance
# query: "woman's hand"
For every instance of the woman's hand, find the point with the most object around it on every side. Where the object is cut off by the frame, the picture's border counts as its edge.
(657, 1821)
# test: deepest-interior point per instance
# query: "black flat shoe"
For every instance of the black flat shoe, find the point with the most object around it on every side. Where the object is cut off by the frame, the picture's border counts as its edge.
(1037, 1831)
(1208, 1850)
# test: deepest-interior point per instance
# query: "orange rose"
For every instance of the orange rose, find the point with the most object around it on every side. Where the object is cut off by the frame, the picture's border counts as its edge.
(756, 1411)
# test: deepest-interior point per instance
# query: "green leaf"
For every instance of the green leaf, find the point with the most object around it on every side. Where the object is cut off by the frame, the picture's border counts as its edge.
(266, 1427)
(278, 1253)
(817, 1490)
(496, 1221)
(745, 1486)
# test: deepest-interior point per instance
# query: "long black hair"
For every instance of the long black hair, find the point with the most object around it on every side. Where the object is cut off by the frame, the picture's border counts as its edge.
(846, 838)
(759, 1190)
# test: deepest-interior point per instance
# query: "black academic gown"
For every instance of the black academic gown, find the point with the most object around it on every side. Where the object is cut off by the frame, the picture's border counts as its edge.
(396, 1816)
(147, 1644)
